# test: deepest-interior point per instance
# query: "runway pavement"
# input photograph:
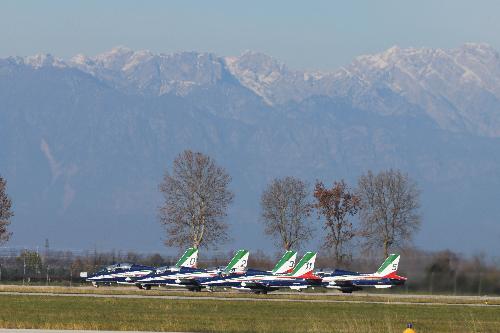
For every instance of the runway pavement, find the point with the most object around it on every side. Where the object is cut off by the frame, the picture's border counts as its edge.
(261, 299)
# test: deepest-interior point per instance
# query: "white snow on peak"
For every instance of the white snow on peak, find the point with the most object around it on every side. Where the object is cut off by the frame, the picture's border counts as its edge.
(43, 60)
(80, 59)
(478, 47)
(117, 51)
(137, 58)
(114, 59)
(442, 82)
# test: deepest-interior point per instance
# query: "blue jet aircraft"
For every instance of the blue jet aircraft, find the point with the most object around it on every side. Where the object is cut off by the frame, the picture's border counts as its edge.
(301, 277)
(190, 278)
(347, 282)
(124, 273)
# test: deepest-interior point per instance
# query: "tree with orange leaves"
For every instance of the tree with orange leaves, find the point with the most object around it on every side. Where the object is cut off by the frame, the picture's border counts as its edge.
(335, 205)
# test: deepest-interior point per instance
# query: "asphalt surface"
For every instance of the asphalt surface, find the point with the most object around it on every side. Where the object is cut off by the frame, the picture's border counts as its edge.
(248, 299)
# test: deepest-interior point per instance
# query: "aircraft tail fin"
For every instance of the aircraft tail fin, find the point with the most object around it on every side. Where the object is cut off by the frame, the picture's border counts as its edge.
(286, 263)
(305, 265)
(239, 262)
(188, 259)
(389, 266)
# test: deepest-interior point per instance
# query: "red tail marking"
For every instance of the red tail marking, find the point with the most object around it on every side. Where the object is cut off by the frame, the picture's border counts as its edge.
(393, 275)
(309, 275)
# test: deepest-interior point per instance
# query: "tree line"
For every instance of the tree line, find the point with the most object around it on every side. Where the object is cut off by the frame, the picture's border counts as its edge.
(196, 197)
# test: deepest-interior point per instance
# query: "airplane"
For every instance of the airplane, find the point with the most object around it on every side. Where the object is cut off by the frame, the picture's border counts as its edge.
(125, 273)
(347, 282)
(301, 277)
(190, 277)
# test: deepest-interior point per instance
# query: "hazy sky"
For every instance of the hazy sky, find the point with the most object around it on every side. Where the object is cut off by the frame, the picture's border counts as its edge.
(304, 34)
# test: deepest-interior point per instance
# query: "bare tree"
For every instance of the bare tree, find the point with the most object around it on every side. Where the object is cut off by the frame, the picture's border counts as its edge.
(389, 209)
(285, 210)
(196, 200)
(5, 212)
(336, 205)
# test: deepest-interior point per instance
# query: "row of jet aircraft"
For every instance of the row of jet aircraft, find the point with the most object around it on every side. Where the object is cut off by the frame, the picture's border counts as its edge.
(286, 274)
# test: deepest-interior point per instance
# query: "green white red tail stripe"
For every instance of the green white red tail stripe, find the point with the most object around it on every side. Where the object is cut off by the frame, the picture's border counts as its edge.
(305, 265)
(286, 263)
(239, 262)
(389, 266)
(188, 259)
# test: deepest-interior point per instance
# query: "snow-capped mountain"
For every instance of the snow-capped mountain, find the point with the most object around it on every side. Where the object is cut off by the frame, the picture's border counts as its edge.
(148, 73)
(273, 80)
(459, 88)
(84, 142)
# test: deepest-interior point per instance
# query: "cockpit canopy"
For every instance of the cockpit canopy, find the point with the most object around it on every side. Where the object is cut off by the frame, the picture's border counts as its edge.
(116, 267)
(120, 266)
(163, 269)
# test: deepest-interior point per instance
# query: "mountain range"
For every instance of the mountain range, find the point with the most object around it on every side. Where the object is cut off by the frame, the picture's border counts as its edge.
(84, 142)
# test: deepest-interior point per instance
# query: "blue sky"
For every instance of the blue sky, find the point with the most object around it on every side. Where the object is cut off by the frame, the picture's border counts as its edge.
(304, 34)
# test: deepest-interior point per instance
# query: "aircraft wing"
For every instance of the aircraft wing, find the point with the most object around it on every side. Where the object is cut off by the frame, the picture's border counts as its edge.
(342, 283)
(254, 284)
(346, 286)
(187, 282)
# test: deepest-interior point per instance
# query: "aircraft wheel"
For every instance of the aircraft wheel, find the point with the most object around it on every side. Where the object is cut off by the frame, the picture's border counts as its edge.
(147, 287)
(264, 292)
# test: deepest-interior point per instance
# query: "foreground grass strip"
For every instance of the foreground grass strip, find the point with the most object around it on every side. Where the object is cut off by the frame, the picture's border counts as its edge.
(53, 312)
(221, 297)
(300, 296)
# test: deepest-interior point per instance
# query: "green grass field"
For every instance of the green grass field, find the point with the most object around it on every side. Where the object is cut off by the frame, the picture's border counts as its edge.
(332, 295)
(56, 312)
